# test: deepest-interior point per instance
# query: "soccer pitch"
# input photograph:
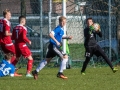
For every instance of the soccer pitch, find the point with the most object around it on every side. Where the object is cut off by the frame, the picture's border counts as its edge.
(95, 79)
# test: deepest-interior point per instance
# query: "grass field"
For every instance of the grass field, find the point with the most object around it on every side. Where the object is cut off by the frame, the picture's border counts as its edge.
(95, 79)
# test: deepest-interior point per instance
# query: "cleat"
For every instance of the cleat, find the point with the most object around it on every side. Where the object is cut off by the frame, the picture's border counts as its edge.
(17, 75)
(35, 74)
(60, 75)
(83, 73)
(29, 75)
(115, 69)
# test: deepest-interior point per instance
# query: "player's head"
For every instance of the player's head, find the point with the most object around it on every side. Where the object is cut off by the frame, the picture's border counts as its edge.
(62, 21)
(22, 20)
(8, 56)
(89, 21)
(7, 14)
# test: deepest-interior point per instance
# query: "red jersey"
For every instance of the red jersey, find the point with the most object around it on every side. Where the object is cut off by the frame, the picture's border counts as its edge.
(1, 29)
(19, 35)
(5, 26)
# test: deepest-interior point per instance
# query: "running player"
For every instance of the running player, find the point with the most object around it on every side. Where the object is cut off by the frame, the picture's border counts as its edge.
(54, 49)
(6, 68)
(92, 47)
(19, 36)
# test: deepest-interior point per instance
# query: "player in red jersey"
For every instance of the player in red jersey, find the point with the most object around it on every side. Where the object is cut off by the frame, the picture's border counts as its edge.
(6, 42)
(5, 36)
(19, 35)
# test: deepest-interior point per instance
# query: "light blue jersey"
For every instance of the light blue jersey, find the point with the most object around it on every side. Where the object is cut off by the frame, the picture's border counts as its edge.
(58, 33)
(6, 68)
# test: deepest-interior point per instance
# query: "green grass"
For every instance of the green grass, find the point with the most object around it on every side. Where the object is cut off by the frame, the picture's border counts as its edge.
(77, 51)
(95, 79)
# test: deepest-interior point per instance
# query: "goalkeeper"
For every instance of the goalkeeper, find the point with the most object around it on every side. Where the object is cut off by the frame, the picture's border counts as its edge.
(91, 45)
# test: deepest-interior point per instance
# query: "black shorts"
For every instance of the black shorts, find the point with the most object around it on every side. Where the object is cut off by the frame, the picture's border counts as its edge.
(53, 51)
(93, 50)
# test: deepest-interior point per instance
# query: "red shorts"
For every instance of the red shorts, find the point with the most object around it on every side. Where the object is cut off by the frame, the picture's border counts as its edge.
(22, 50)
(8, 48)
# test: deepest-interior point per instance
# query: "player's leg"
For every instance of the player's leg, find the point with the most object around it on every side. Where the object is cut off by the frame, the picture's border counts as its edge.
(49, 56)
(29, 66)
(88, 55)
(102, 53)
(14, 61)
(62, 67)
(25, 51)
(85, 65)
(16, 74)
(64, 59)
(41, 65)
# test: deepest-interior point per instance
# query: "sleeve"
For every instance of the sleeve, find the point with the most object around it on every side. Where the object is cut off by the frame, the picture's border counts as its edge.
(99, 33)
(86, 33)
(24, 36)
(6, 26)
(56, 31)
(12, 71)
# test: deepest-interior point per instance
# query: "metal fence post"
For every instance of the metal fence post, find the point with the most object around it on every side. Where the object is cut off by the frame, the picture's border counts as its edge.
(49, 15)
(41, 31)
(109, 29)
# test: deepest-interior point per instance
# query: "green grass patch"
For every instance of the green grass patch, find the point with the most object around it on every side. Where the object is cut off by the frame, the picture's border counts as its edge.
(77, 51)
(95, 79)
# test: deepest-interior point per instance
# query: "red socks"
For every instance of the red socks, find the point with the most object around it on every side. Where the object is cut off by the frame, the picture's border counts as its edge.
(29, 66)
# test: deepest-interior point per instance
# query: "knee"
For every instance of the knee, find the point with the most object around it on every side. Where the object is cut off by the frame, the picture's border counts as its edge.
(30, 57)
(65, 57)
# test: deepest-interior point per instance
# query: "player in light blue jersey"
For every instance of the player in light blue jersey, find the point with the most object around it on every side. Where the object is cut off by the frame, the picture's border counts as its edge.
(54, 49)
(6, 68)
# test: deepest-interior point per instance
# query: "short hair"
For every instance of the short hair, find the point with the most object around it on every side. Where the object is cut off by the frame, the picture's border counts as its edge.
(62, 18)
(21, 17)
(8, 56)
(5, 12)
(89, 19)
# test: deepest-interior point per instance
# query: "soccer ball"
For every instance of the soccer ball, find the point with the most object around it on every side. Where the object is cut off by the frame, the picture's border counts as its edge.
(96, 26)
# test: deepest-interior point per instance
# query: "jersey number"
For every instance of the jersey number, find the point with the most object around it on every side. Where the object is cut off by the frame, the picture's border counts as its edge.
(5, 70)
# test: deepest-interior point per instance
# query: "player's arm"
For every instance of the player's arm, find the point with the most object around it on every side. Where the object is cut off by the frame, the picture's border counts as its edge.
(7, 33)
(7, 29)
(25, 38)
(67, 37)
(12, 71)
(86, 33)
(51, 34)
(99, 33)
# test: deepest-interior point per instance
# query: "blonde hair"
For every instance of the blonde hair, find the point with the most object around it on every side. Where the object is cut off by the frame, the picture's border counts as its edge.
(62, 18)
(5, 12)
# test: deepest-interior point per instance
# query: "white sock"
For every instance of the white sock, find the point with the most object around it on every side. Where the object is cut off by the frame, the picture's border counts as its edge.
(41, 65)
(63, 65)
